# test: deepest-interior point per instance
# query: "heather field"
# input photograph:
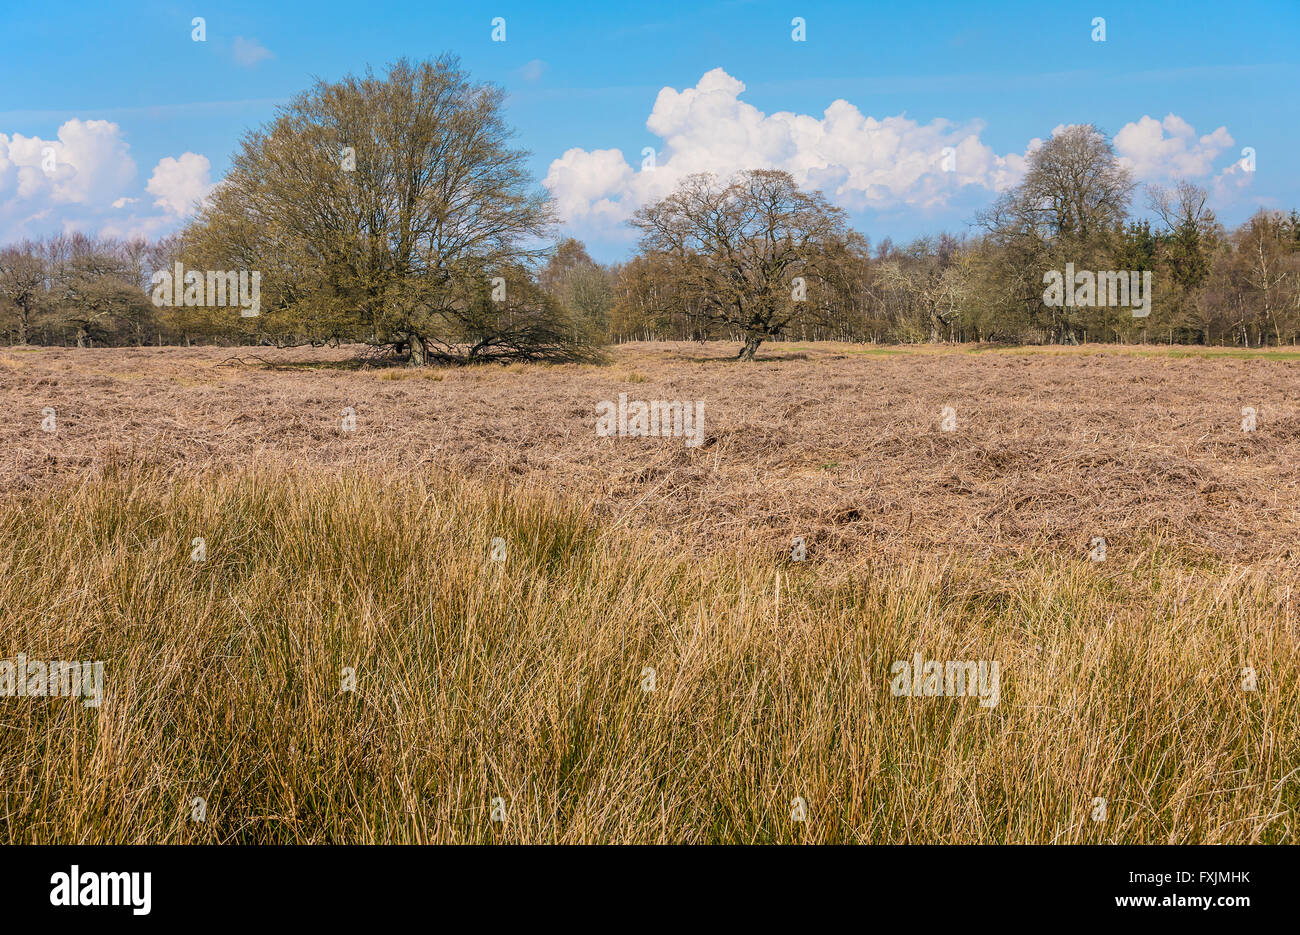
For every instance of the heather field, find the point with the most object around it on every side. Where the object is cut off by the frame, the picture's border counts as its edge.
(433, 605)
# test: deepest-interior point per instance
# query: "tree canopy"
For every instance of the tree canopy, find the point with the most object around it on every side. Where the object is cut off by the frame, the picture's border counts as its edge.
(391, 210)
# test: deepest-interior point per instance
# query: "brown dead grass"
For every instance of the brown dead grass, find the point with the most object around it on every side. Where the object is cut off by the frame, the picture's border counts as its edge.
(520, 681)
(835, 443)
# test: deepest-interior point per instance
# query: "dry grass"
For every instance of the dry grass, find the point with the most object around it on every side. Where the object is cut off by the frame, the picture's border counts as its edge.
(840, 445)
(523, 680)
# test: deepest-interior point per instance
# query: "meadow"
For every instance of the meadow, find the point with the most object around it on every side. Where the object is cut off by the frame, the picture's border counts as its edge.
(431, 605)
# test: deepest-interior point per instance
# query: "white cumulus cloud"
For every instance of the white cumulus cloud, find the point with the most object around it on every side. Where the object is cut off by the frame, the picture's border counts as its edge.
(180, 184)
(1163, 149)
(87, 161)
(883, 164)
(859, 161)
(85, 179)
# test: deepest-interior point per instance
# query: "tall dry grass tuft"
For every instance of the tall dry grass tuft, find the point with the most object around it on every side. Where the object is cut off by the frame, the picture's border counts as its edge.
(525, 680)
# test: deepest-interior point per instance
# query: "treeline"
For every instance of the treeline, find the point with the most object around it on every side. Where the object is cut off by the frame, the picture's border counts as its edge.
(393, 211)
(80, 290)
(1212, 286)
(719, 261)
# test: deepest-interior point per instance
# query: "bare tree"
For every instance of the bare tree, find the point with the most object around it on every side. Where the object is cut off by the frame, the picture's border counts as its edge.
(1075, 189)
(751, 252)
(23, 278)
(1270, 268)
(1184, 206)
(932, 277)
(579, 283)
(96, 285)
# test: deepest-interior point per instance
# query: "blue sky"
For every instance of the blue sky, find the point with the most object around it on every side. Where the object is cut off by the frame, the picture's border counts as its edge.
(141, 119)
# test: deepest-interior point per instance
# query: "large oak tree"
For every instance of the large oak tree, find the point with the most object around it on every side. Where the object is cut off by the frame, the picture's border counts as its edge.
(384, 209)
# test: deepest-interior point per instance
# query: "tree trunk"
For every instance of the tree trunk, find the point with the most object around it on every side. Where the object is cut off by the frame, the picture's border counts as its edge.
(419, 356)
(1272, 313)
(752, 341)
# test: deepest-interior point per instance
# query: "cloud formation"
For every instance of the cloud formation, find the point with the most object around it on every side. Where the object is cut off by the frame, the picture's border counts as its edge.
(86, 179)
(1162, 149)
(859, 161)
(83, 179)
(862, 163)
(180, 184)
(88, 158)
